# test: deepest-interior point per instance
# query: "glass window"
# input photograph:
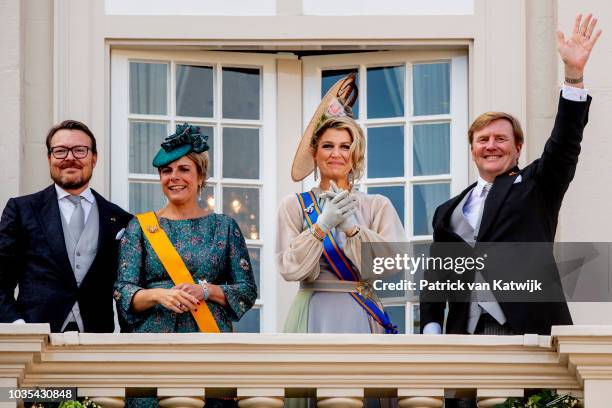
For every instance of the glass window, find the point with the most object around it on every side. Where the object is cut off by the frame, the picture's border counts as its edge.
(393, 193)
(145, 138)
(385, 147)
(242, 204)
(431, 149)
(146, 197)
(240, 153)
(249, 323)
(194, 91)
(207, 198)
(397, 314)
(255, 257)
(241, 93)
(148, 88)
(431, 89)
(386, 92)
(426, 198)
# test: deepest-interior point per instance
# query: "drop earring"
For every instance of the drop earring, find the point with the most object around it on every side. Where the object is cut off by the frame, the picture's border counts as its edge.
(316, 173)
(350, 179)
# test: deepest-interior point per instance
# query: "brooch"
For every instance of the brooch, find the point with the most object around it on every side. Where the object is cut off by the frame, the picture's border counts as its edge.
(152, 229)
(365, 290)
(309, 209)
(512, 173)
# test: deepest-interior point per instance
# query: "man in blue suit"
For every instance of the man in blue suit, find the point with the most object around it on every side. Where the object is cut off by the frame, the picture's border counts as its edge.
(60, 244)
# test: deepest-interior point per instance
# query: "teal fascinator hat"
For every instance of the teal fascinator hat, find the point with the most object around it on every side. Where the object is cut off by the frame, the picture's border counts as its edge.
(185, 140)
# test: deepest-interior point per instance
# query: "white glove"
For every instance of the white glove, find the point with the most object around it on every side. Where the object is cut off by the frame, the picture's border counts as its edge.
(349, 222)
(336, 209)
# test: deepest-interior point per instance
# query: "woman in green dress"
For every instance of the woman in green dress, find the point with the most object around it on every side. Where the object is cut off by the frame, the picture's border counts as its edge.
(211, 246)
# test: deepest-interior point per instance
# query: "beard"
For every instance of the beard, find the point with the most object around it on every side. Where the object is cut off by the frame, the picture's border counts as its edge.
(70, 181)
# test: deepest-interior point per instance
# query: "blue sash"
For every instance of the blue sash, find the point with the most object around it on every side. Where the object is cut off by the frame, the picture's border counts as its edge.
(341, 265)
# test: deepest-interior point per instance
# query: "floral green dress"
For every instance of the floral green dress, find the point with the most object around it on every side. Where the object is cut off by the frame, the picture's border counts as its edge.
(212, 248)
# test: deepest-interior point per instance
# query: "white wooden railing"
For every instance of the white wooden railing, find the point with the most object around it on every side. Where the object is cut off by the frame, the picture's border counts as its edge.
(340, 370)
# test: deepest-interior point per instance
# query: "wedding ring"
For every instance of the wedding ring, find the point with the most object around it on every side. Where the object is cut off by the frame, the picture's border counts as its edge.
(179, 305)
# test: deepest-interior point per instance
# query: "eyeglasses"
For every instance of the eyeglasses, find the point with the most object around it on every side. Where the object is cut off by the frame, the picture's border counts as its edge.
(61, 152)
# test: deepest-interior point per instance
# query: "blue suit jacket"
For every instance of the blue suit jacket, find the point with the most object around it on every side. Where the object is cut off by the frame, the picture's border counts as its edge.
(33, 254)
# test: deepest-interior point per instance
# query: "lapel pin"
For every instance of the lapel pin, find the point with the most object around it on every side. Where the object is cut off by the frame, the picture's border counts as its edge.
(513, 173)
(309, 209)
(113, 219)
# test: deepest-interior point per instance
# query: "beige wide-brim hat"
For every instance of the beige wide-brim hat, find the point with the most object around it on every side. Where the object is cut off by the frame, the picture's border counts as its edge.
(336, 102)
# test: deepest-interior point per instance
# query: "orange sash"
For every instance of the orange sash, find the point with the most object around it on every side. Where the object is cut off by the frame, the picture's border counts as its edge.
(174, 265)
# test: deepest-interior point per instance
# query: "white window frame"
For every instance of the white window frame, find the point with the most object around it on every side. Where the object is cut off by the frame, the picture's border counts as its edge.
(119, 143)
(458, 118)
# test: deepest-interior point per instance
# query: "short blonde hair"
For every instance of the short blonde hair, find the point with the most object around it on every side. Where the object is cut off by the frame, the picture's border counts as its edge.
(201, 162)
(357, 150)
(486, 118)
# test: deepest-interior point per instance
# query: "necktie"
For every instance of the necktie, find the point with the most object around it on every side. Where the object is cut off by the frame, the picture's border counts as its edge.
(483, 195)
(476, 308)
(77, 220)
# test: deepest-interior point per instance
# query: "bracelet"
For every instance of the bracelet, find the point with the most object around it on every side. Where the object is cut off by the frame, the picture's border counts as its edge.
(204, 286)
(574, 80)
(314, 232)
(354, 232)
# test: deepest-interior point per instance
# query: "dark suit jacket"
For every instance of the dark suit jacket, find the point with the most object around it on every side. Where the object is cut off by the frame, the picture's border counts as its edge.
(33, 254)
(523, 212)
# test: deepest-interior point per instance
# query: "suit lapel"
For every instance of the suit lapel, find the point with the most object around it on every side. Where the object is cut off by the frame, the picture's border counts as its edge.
(107, 223)
(48, 214)
(445, 218)
(495, 199)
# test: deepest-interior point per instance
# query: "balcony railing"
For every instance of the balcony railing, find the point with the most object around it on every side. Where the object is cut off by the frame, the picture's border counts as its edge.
(339, 370)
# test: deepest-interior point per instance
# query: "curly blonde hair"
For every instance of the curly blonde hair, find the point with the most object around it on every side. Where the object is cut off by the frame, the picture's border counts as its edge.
(357, 149)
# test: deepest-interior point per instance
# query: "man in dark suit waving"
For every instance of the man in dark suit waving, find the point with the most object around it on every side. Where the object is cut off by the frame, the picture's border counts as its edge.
(60, 244)
(508, 204)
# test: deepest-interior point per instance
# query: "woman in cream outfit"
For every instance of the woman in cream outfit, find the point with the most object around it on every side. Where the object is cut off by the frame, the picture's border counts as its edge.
(333, 145)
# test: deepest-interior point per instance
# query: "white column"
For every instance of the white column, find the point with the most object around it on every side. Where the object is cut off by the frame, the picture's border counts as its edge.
(11, 89)
(420, 398)
(261, 397)
(597, 393)
(488, 398)
(8, 383)
(340, 397)
(105, 397)
(180, 397)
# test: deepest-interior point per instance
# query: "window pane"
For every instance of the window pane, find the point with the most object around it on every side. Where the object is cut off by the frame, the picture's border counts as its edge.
(241, 153)
(416, 318)
(387, 293)
(254, 255)
(393, 193)
(194, 91)
(431, 154)
(241, 93)
(148, 88)
(426, 198)
(386, 92)
(146, 197)
(431, 85)
(397, 314)
(249, 323)
(331, 76)
(385, 151)
(210, 132)
(207, 199)
(242, 204)
(145, 140)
